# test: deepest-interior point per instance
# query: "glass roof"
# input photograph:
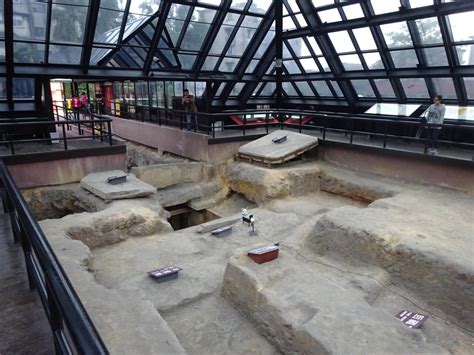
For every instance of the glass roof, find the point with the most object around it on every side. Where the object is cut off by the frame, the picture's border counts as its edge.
(348, 51)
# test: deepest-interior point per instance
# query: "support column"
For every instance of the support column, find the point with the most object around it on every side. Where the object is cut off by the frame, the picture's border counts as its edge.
(279, 51)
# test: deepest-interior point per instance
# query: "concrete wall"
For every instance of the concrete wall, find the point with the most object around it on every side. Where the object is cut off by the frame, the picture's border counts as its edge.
(63, 171)
(406, 166)
(167, 139)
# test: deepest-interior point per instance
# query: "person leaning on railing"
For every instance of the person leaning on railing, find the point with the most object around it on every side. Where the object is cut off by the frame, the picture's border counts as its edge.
(189, 105)
(435, 118)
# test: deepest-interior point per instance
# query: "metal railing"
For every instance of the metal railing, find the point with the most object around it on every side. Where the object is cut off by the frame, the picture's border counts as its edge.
(13, 132)
(383, 128)
(72, 329)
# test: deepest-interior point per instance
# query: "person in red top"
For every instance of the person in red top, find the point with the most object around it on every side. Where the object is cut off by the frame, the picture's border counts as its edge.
(76, 106)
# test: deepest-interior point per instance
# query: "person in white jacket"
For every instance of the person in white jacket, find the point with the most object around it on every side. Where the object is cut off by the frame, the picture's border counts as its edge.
(435, 118)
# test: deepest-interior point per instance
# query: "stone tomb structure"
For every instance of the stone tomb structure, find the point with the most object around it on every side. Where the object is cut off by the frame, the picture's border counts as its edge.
(355, 250)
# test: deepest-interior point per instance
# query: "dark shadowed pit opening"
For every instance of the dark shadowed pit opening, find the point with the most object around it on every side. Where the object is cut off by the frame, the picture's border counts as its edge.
(183, 216)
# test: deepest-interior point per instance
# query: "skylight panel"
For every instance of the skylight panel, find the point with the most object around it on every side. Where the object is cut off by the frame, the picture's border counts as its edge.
(428, 29)
(288, 23)
(465, 54)
(351, 62)
(420, 3)
(322, 88)
(460, 28)
(436, 57)
(304, 88)
(289, 88)
(301, 20)
(373, 60)
(309, 65)
(445, 86)
(331, 15)
(291, 67)
(260, 6)
(405, 58)
(314, 45)
(341, 41)
(364, 38)
(415, 88)
(353, 11)
(385, 6)
(320, 3)
(299, 47)
(363, 88)
(397, 35)
(384, 88)
(238, 4)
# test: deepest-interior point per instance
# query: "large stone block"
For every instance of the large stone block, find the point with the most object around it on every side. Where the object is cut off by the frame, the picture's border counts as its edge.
(260, 184)
(133, 187)
(165, 175)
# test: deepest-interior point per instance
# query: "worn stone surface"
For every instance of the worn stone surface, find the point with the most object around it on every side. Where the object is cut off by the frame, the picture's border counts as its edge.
(306, 309)
(98, 185)
(119, 221)
(261, 184)
(140, 155)
(299, 304)
(423, 240)
(223, 331)
(165, 175)
(127, 324)
(59, 201)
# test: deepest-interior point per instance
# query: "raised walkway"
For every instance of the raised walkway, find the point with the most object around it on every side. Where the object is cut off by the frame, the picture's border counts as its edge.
(23, 323)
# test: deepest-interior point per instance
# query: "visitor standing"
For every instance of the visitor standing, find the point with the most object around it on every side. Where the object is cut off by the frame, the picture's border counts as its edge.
(75, 105)
(189, 104)
(435, 118)
(85, 102)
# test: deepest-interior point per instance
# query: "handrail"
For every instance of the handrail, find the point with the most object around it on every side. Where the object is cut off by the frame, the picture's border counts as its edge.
(66, 314)
(99, 128)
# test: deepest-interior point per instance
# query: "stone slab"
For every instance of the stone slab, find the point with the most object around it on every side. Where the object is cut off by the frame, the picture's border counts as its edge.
(266, 151)
(217, 223)
(132, 188)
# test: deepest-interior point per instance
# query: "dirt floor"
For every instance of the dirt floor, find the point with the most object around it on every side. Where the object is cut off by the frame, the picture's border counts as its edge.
(354, 251)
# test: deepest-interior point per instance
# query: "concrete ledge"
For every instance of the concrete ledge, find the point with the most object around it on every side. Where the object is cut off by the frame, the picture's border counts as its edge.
(168, 139)
(413, 167)
(63, 171)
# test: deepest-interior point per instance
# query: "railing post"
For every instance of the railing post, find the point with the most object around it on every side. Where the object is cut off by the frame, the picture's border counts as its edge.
(64, 136)
(109, 129)
(385, 136)
(324, 127)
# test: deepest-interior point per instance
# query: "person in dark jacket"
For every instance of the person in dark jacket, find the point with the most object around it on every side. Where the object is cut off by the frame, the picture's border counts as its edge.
(189, 105)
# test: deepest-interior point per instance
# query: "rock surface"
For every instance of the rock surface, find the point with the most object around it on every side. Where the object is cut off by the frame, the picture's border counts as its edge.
(331, 291)
(420, 243)
(132, 188)
(127, 324)
(165, 175)
(305, 309)
(262, 184)
(59, 201)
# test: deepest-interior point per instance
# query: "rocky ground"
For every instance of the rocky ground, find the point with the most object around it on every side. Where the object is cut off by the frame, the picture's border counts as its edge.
(355, 250)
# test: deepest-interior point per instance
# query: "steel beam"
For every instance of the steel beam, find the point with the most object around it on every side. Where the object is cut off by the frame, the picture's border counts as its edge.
(163, 14)
(9, 60)
(91, 23)
(414, 14)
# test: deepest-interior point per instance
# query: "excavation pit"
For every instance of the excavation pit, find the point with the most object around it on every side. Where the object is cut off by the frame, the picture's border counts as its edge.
(337, 275)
